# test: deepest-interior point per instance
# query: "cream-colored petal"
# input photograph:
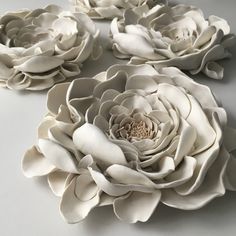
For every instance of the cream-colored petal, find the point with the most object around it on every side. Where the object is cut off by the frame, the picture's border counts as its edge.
(57, 97)
(129, 44)
(213, 70)
(35, 164)
(198, 120)
(136, 206)
(58, 156)
(40, 64)
(91, 140)
(74, 210)
(140, 82)
(58, 180)
(44, 127)
(204, 162)
(188, 136)
(181, 175)
(219, 23)
(86, 188)
(57, 135)
(125, 175)
(176, 97)
(80, 88)
(212, 187)
(116, 82)
(115, 189)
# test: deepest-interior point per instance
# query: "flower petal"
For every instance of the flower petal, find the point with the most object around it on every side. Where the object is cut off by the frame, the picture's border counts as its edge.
(58, 181)
(204, 162)
(129, 44)
(136, 206)
(57, 155)
(213, 70)
(35, 164)
(74, 210)
(91, 140)
(205, 133)
(57, 97)
(176, 97)
(187, 139)
(40, 64)
(125, 175)
(212, 187)
(86, 188)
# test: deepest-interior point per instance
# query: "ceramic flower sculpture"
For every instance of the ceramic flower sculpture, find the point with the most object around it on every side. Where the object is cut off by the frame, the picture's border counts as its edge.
(45, 46)
(103, 9)
(133, 137)
(177, 36)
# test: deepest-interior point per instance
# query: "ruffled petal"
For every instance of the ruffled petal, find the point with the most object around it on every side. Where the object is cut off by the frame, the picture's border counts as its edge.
(57, 155)
(58, 181)
(212, 187)
(91, 140)
(35, 164)
(73, 209)
(136, 206)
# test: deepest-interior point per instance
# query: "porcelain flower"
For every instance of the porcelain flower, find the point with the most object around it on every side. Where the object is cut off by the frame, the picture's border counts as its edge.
(133, 137)
(103, 9)
(177, 36)
(45, 46)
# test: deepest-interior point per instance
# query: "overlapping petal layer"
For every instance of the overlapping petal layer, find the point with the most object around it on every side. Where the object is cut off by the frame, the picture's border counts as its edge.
(177, 36)
(45, 46)
(132, 139)
(103, 9)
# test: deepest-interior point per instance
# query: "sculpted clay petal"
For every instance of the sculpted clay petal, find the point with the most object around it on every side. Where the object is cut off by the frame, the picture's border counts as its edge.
(212, 187)
(188, 137)
(125, 175)
(47, 44)
(136, 206)
(204, 161)
(213, 70)
(40, 64)
(146, 50)
(176, 35)
(57, 155)
(74, 210)
(205, 133)
(86, 188)
(58, 180)
(35, 164)
(91, 140)
(57, 97)
(176, 97)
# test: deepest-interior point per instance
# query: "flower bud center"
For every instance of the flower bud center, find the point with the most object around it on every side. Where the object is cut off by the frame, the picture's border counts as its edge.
(138, 130)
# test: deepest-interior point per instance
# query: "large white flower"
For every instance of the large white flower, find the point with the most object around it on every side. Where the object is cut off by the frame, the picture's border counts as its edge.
(177, 36)
(45, 46)
(104, 9)
(133, 137)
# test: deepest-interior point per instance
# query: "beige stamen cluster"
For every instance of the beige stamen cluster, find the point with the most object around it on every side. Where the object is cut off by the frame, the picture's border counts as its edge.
(138, 130)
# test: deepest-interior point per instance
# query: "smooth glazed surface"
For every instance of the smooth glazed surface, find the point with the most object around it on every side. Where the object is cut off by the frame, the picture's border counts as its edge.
(28, 207)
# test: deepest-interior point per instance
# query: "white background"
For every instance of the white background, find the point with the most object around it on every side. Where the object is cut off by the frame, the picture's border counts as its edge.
(28, 208)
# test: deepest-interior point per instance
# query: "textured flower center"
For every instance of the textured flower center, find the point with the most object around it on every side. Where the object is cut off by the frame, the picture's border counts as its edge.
(138, 130)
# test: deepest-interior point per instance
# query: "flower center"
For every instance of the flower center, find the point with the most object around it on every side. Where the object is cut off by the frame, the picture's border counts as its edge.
(138, 130)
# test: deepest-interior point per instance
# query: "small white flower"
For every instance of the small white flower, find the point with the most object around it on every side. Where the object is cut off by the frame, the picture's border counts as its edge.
(103, 9)
(45, 46)
(133, 137)
(177, 36)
